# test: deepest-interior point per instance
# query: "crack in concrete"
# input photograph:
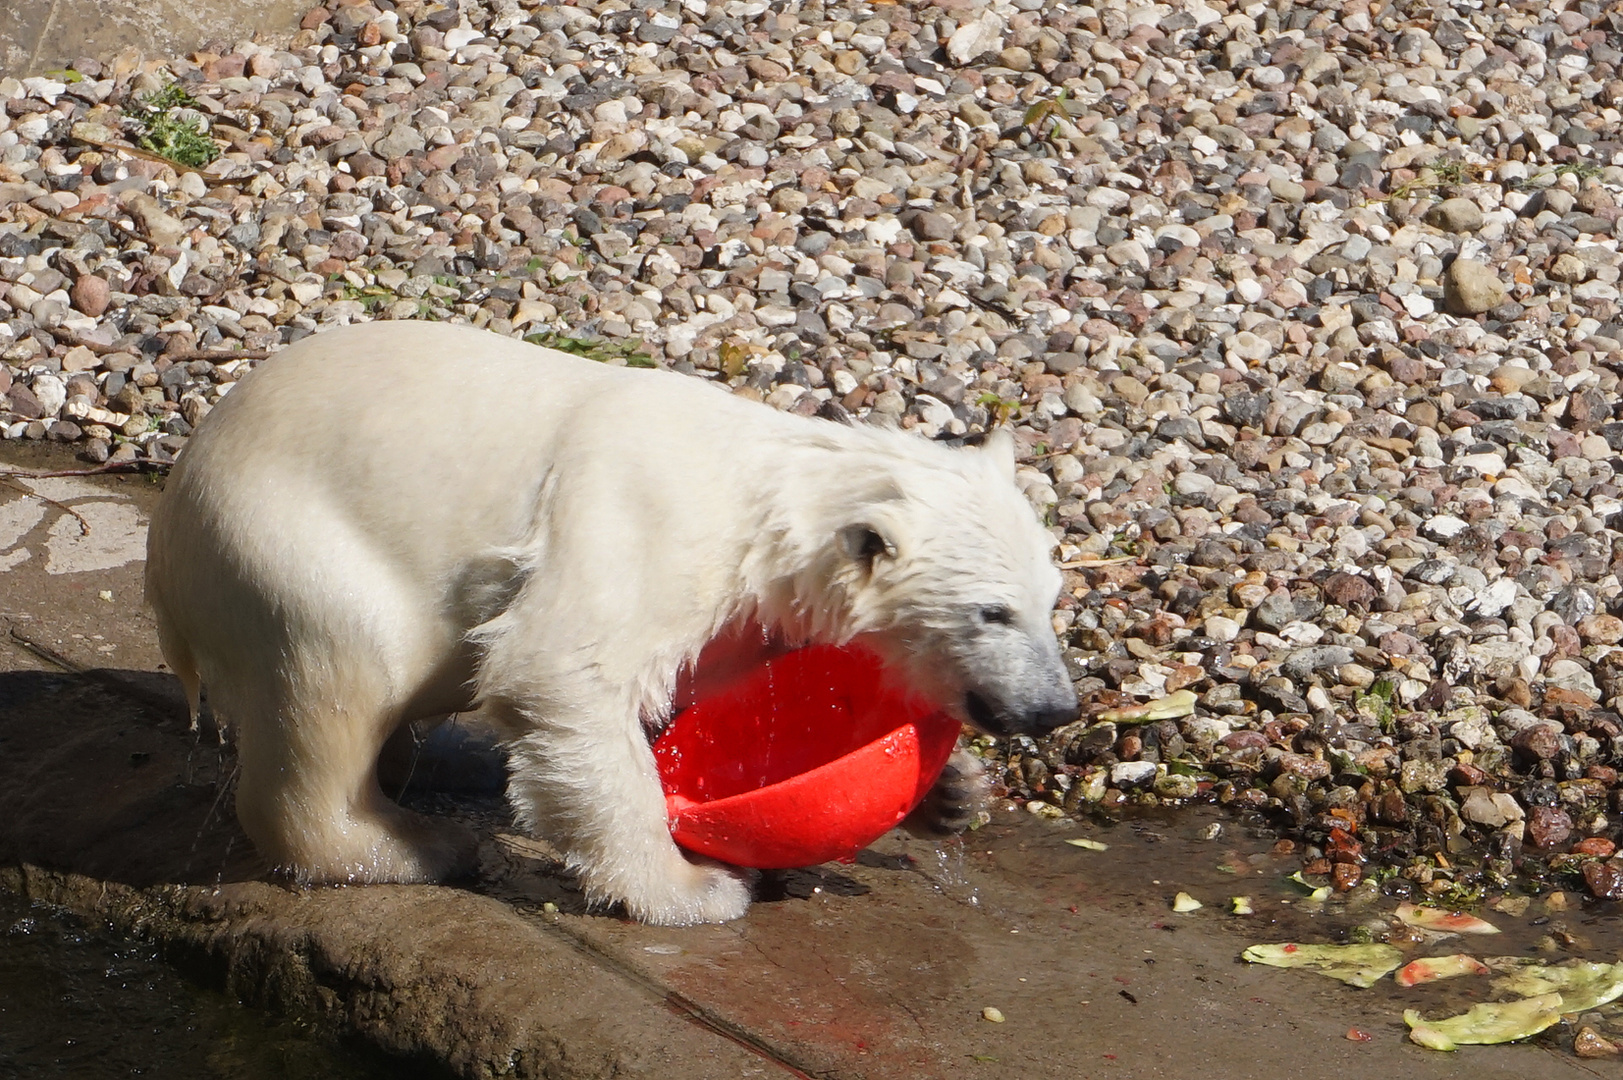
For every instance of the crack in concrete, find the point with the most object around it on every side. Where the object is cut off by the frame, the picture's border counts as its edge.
(44, 35)
(681, 1004)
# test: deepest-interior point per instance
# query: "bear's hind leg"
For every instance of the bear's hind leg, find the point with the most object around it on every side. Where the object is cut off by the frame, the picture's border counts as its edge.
(308, 798)
(178, 655)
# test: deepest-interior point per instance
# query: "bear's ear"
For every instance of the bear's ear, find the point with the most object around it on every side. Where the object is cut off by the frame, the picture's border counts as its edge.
(1000, 445)
(865, 544)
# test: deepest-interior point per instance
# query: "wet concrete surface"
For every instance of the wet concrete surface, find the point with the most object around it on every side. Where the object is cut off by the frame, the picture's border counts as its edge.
(39, 36)
(112, 808)
(78, 1002)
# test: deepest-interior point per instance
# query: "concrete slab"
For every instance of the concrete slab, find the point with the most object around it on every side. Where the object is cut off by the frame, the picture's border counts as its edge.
(110, 806)
(71, 549)
(44, 35)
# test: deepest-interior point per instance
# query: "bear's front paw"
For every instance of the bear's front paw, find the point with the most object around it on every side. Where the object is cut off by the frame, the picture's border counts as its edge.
(956, 800)
(690, 893)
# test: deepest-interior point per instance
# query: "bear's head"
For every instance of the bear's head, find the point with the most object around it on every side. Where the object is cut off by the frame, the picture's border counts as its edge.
(946, 572)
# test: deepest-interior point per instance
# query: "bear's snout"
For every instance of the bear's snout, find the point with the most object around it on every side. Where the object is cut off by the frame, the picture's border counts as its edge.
(1033, 720)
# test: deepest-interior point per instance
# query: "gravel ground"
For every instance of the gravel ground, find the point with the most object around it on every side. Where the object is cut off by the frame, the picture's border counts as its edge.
(1306, 316)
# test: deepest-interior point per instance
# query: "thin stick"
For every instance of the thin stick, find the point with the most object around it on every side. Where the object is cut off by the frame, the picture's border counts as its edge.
(217, 354)
(136, 151)
(99, 470)
(84, 526)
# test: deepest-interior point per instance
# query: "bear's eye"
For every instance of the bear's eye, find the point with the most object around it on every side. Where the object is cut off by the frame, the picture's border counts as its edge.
(997, 615)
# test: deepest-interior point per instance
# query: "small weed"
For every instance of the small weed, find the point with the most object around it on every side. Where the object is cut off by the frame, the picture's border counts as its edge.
(593, 348)
(1049, 111)
(1583, 170)
(1124, 545)
(1452, 173)
(734, 357)
(370, 297)
(1444, 174)
(165, 131)
(1000, 408)
(67, 75)
(1377, 704)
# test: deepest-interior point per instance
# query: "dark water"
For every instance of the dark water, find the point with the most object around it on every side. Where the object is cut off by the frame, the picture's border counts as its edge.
(76, 1004)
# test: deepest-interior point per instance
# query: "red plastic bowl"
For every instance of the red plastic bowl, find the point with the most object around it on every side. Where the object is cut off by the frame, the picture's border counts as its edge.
(809, 759)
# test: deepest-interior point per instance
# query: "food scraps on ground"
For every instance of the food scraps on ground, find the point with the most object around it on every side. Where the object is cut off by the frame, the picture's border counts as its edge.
(1355, 965)
(1582, 984)
(1443, 922)
(1490, 1022)
(1314, 892)
(992, 1013)
(1176, 704)
(1242, 905)
(1514, 906)
(1088, 845)
(1183, 903)
(1431, 968)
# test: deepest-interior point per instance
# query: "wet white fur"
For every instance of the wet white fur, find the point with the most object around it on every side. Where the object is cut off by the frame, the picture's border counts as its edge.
(400, 520)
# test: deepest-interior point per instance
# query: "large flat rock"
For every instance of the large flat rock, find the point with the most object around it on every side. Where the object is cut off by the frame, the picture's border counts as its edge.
(44, 35)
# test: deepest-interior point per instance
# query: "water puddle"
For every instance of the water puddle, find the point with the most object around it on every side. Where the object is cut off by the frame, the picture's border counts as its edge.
(79, 1005)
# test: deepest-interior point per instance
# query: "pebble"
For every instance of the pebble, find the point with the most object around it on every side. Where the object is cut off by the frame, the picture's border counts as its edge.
(1471, 287)
(1455, 215)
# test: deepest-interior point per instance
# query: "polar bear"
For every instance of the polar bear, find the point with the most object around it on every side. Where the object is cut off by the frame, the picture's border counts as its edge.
(397, 521)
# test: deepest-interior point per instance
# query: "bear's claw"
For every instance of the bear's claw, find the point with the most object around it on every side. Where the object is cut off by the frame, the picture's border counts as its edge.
(956, 799)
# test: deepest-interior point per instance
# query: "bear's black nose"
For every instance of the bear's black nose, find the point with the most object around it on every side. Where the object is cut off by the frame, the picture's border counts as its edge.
(1047, 719)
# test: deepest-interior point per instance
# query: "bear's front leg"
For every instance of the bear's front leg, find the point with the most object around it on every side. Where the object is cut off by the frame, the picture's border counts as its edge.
(958, 797)
(585, 779)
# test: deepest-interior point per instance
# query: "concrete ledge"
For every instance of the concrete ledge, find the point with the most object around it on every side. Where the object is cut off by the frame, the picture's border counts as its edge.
(397, 966)
(44, 35)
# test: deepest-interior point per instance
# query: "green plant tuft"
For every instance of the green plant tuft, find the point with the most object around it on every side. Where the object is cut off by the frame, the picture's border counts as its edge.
(603, 352)
(170, 133)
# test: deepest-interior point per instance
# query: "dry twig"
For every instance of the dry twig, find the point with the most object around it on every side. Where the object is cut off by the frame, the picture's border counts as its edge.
(11, 478)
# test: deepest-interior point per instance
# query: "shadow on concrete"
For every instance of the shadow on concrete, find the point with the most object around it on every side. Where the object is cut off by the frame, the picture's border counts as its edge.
(99, 775)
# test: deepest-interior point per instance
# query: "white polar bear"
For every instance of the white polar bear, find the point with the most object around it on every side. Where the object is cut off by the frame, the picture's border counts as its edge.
(398, 521)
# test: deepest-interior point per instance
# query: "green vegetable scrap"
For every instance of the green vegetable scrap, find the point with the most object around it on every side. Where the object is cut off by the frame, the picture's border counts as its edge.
(1356, 965)
(1314, 892)
(1176, 704)
(1490, 1022)
(1583, 985)
(1088, 845)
